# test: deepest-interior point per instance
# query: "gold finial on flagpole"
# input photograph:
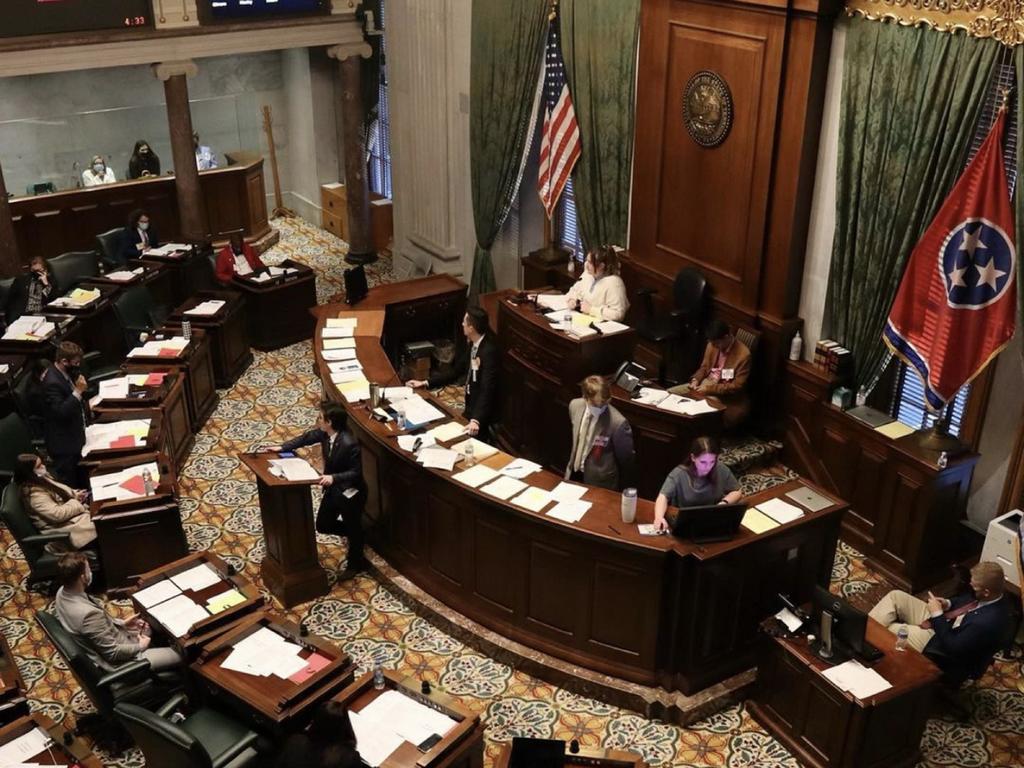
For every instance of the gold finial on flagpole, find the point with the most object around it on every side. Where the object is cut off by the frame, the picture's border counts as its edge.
(554, 10)
(1004, 94)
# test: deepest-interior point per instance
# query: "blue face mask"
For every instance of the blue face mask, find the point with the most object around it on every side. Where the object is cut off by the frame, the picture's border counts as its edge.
(596, 410)
(98, 168)
(143, 225)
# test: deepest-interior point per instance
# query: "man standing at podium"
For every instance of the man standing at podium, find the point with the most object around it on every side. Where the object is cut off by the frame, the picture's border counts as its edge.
(341, 509)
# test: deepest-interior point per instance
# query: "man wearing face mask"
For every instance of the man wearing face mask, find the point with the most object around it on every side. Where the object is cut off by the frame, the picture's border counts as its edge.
(109, 642)
(139, 236)
(602, 441)
(66, 415)
(98, 173)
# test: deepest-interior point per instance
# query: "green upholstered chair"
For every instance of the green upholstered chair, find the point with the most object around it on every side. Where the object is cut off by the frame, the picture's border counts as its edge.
(69, 269)
(15, 438)
(137, 311)
(109, 246)
(42, 565)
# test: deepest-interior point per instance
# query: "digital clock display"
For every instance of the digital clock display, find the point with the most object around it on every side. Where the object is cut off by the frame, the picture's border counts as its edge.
(219, 10)
(20, 18)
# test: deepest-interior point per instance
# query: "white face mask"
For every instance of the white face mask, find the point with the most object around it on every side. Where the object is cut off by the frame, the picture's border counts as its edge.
(596, 410)
(98, 168)
(143, 225)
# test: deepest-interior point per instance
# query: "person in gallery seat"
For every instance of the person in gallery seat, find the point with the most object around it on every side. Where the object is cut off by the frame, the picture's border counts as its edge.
(700, 480)
(237, 258)
(600, 291)
(98, 173)
(723, 373)
(143, 162)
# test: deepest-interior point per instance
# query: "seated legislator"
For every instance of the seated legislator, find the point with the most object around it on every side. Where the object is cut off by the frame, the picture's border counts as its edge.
(237, 258)
(600, 291)
(329, 742)
(143, 161)
(960, 635)
(109, 641)
(479, 366)
(31, 291)
(724, 372)
(138, 236)
(700, 480)
(66, 414)
(206, 158)
(602, 440)
(98, 173)
(344, 498)
(52, 505)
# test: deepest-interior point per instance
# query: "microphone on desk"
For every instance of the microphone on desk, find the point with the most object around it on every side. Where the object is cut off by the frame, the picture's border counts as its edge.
(232, 571)
(594, 326)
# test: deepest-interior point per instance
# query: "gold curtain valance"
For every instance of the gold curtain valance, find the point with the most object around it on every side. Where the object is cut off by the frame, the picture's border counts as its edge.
(1002, 20)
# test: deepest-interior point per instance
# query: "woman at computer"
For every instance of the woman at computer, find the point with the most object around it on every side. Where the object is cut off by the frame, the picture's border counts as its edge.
(600, 291)
(700, 480)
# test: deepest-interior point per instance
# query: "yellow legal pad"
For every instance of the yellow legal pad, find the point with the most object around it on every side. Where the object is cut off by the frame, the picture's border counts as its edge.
(757, 521)
(225, 600)
(895, 429)
(348, 343)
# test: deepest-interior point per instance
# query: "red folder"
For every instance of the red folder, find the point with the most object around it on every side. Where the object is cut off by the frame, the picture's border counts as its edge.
(168, 352)
(155, 379)
(314, 664)
(135, 485)
(128, 441)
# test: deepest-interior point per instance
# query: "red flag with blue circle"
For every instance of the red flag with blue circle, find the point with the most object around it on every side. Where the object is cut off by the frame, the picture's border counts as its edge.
(955, 307)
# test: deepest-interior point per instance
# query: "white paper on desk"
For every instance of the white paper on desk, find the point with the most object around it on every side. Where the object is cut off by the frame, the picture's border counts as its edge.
(476, 475)
(349, 343)
(610, 326)
(504, 488)
(520, 468)
(408, 442)
(417, 410)
(345, 366)
(780, 511)
(673, 403)
(258, 653)
(17, 751)
(262, 277)
(4, 368)
(206, 308)
(790, 619)
(569, 511)
(533, 499)
(568, 492)
(295, 469)
(580, 331)
(121, 276)
(108, 486)
(413, 721)
(553, 301)
(34, 326)
(114, 389)
(196, 578)
(447, 431)
(481, 450)
(157, 593)
(398, 393)
(695, 407)
(337, 333)
(178, 614)
(338, 354)
(278, 271)
(651, 396)
(101, 436)
(375, 741)
(340, 377)
(342, 322)
(289, 662)
(858, 680)
(436, 457)
(357, 394)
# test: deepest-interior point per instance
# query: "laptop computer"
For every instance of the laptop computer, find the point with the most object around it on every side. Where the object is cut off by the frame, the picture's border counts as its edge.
(710, 523)
(871, 416)
(808, 499)
(537, 753)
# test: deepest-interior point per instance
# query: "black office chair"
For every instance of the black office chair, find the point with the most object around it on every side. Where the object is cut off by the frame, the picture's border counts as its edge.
(5, 295)
(204, 739)
(137, 311)
(109, 246)
(15, 438)
(69, 269)
(42, 564)
(677, 332)
(29, 412)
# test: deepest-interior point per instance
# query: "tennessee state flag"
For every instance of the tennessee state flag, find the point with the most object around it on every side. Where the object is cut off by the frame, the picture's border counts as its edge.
(954, 310)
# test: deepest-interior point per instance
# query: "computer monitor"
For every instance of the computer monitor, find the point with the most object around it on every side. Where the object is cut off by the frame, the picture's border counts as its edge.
(841, 628)
(708, 523)
(537, 753)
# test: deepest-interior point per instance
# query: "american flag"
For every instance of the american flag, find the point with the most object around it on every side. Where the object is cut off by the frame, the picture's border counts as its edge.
(560, 139)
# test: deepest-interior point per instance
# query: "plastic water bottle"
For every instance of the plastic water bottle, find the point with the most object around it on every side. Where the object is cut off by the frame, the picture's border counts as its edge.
(628, 505)
(147, 482)
(470, 454)
(902, 639)
(943, 461)
(186, 329)
(567, 320)
(571, 268)
(796, 347)
(401, 421)
(862, 396)
(378, 676)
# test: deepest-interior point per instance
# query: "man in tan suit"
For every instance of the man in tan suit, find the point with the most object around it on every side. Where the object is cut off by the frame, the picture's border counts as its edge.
(602, 440)
(724, 372)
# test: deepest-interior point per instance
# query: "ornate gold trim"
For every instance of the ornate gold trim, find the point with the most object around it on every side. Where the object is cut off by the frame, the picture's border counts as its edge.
(1001, 20)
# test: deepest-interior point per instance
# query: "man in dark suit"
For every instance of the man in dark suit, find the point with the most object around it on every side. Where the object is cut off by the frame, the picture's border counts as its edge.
(138, 236)
(479, 366)
(341, 510)
(960, 635)
(66, 415)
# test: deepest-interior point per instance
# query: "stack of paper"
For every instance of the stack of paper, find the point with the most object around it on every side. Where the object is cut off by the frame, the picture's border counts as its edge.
(262, 277)
(129, 433)
(397, 393)
(405, 718)
(757, 522)
(553, 301)
(343, 377)
(520, 468)
(610, 326)
(171, 347)
(338, 354)
(124, 275)
(17, 751)
(279, 271)
(447, 431)
(114, 389)
(375, 741)
(342, 322)
(196, 578)
(569, 511)
(338, 333)
(125, 484)
(476, 475)
(265, 653)
(504, 487)
(343, 366)
(347, 343)
(481, 450)
(295, 469)
(355, 390)
(436, 457)
(178, 614)
(580, 331)
(568, 492)
(79, 297)
(413, 443)
(168, 249)
(670, 403)
(29, 328)
(780, 511)
(533, 499)
(206, 308)
(417, 411)
(157, 593)
(651, 396)
(862, 682)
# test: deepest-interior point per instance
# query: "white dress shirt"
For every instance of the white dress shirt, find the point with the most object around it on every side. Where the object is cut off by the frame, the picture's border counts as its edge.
(92, 179)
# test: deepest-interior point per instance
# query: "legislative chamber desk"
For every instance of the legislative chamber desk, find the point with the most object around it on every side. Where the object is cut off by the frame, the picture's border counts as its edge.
(593, 758)
(278, 308)
(154, 441)
(65, 749)
(99, 327)
(68, 329)
(825, 727)
(541, 372)
(653, 610)
(461, 747)
(188, 271)
(155, 277)
(228, 331)
(13, 703)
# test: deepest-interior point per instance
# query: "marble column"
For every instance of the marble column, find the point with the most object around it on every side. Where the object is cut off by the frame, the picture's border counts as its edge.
(357, 191)
(191, 206)
(10, 264)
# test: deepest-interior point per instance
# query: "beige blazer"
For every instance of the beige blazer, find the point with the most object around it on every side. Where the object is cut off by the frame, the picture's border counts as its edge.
(732, 393)
(51, 514)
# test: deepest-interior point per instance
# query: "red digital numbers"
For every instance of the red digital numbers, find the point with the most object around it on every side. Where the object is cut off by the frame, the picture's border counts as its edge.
(135, 21)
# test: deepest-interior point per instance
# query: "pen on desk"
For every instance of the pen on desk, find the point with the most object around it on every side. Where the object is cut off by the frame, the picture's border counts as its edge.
(614, 531)
(390, 428)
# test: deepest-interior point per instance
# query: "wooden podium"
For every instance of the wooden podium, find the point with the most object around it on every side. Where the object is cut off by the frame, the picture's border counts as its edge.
(279, 308)
(291, 569)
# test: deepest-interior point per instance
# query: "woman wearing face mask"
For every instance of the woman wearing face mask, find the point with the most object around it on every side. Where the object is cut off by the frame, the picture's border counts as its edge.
(143, 162)
(31, 291)
(700, 480)
(602, 440)
(139, 236)
(52, 505)
(600, 291)
(98, 173)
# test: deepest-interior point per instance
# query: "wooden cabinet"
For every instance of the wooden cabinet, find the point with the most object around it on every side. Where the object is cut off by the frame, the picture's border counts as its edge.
(334, 201)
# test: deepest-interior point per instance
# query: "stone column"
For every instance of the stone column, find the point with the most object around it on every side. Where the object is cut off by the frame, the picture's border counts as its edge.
(191, 206)
(357, 192)
(10, 263)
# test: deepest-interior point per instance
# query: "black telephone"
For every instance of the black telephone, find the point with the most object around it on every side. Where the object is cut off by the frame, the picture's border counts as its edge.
(629, 375)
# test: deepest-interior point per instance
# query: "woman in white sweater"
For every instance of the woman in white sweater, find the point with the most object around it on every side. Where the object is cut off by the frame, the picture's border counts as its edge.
(600, 291)
(53, 506)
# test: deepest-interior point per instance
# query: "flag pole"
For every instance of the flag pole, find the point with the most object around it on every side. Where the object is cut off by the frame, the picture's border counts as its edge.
(938, 438)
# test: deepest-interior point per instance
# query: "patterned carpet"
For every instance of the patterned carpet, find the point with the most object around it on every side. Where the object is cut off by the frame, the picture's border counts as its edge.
(276, 398)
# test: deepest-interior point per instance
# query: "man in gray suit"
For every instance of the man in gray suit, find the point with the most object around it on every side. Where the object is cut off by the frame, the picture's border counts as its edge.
(109, 642)
(602, 441)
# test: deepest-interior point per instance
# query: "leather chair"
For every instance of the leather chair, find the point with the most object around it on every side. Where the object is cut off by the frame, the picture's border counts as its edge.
(42, 565)
(205, 739)
(15, 438)
(132, 682)
(109, 246)
(5, 294)
(69, 269)
(137, 311)
(681, 324)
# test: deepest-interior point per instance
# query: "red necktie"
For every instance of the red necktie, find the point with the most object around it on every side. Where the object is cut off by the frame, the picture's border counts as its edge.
(952, 613)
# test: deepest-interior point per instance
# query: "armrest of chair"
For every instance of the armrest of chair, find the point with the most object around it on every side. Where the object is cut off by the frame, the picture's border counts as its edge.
(235, 749)
(646, 291)
(645, 294)
(171, 704)
(49, 536)
(125, 673)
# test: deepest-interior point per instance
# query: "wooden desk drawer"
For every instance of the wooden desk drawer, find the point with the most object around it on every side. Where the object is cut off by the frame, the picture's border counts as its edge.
(333, 199)
(336, 224)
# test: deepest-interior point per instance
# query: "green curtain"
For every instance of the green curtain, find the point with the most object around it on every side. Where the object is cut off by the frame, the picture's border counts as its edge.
(910, 103)
(599, 47)
(507, 45)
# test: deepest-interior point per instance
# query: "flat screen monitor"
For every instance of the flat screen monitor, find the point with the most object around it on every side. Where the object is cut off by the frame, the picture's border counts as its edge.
(849, 624)
(20, 18)
(237, 10)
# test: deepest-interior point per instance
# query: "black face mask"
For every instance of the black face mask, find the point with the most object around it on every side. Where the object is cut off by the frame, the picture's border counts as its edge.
(74, 371)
